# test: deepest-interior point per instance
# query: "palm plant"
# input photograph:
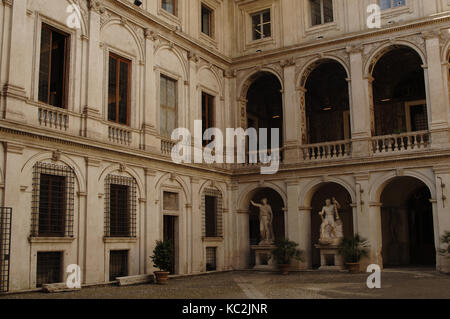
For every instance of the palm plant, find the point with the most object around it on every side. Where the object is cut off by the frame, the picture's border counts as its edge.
(286, 250)
(353, 249)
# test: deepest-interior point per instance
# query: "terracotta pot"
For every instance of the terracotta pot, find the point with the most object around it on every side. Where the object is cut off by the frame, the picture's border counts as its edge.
(353, 268)
(162, 277)
(284, 269)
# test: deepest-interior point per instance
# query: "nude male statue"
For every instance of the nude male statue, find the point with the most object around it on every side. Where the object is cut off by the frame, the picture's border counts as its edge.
(265, 221)
(328, 214)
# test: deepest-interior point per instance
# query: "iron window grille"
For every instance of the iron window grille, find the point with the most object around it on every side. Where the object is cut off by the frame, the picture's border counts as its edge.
(118, 264)
(52, 201)
(5, 247)
(211, 259)
(49, 268)
(212, 220)
(120, 206)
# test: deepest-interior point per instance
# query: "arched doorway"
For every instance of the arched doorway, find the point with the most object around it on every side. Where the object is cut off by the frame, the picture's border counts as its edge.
(265, 105)
(328, 191)
(407, 224)
(327, 103)
(399, 95)
(277, 203)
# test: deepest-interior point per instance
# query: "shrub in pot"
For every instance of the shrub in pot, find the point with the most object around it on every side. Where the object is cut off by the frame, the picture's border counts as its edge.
(162, 259)
(352, 250)
(284, 252)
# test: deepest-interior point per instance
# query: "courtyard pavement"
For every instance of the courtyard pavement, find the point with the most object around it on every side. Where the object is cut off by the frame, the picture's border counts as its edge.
(395, 284)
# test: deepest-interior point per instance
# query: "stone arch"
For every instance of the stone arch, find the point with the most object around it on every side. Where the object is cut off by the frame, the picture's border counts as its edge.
(125, 25)
(168, 176)
(310, 189)
(446, 52)
(377, 187)
(213, 185)
(216, 76)
(247, 194)
(313, 63)
(254, 75)
(126, 170)
(379, 52)
(81, 15)
(27, 168)
(177, 53)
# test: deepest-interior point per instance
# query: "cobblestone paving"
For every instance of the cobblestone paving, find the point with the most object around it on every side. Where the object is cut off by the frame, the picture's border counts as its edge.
(396, 284)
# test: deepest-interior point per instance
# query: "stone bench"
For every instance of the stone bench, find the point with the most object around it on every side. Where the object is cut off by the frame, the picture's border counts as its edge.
(134, 280)
(59, 287)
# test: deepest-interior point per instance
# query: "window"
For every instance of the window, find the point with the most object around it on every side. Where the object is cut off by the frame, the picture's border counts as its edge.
(54, 66)
(49, 268)
(52, 197)
(211, 216)
(118, 264)
(53, 201)
(321, 11)
(169, 6)
(120, 207)
(119, 90)
(207, 20)
(168, 109)
(119, 210)
(208, 120)
(261, 25)
(212, 213)
(388, 4)
(211, 259)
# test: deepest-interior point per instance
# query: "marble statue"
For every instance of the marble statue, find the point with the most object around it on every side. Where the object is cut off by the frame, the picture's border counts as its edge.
(331, 229)
(265, 222)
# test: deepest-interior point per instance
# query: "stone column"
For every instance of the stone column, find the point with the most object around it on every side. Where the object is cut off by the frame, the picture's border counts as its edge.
(95, 224)
(17, 76)
(152, 219)
(305, 236)
(196, 228)
(296, 223)
(375, 238)
(359, 106)
(437, 95)
(95, 86)
(228, 229)
(291, 113)
(441, 216)
(149, 126)
(21, 216)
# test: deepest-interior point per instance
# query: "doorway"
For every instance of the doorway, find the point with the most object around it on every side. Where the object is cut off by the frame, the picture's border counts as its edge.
(171, 235)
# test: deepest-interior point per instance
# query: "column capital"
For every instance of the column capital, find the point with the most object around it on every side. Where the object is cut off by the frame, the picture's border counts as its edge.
(96, 6)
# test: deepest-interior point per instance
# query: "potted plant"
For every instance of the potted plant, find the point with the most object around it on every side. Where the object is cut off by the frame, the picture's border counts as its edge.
(162, 259)
(352, 250)
(284, 252)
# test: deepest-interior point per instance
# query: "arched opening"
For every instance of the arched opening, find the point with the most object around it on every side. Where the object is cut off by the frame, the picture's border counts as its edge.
(277, 204)
(407, 224)
(324, 192)
(327, 103)
(399, 95)
(265, 105)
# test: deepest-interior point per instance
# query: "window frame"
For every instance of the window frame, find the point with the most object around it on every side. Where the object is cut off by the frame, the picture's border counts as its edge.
(261, 13)
(391, 5)
(175, 8)
(211, 24)
(206, 99)
(322, 14)
(66, 68)
(166, 107)
(119, 59)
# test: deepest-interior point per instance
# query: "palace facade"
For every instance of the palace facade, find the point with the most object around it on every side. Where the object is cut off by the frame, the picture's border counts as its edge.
(91, 91)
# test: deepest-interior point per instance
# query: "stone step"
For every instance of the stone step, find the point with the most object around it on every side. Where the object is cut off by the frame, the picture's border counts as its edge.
(58, 287)
(135, 280)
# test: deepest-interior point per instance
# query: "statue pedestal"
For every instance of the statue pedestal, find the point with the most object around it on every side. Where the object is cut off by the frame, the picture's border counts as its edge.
(263, 257)
(330, 259)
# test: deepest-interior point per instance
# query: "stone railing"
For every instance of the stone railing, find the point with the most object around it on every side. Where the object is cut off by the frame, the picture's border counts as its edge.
(327, 151)
(262, 158)
(401, 142)
(53, 118)
(166, 146)
(119, 135)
